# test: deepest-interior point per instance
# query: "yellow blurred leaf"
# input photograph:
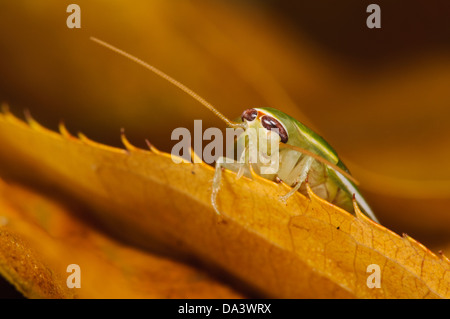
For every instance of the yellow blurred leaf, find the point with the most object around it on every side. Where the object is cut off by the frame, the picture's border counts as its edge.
(307, 248)
(40, 238)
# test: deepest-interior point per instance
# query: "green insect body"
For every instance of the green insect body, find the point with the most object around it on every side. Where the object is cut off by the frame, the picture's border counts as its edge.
(294, 166)
(305, 156)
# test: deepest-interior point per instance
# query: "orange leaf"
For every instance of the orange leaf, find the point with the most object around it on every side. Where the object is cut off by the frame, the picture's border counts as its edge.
(386, 120)
(40, 238)
(307, 248)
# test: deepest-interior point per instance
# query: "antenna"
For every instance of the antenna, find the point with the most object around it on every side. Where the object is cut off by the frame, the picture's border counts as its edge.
(171, 80)
(210, 106)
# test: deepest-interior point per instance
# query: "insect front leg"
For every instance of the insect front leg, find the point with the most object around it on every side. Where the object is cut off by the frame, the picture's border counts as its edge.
(216, 184)
(301, 178)
(240, 167)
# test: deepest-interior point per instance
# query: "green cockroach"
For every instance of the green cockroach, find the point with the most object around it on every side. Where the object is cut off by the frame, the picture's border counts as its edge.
(302, 155)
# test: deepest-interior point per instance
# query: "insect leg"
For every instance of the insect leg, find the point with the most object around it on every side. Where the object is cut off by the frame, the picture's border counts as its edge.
(301, 178)
(216, 183)
(242, 163)
(222, 162)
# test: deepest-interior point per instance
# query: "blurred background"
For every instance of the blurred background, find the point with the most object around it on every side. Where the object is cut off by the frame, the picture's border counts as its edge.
(380, 97)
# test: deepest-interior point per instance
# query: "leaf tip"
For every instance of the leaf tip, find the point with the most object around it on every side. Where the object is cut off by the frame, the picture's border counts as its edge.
(252, 171)
(151, 147)
(31, 121)
(63, 130)
(83, 138)
(417, 245)
(195, 158)
(28, 117)
(255, 176)
(5, 108)
(360, 215)
(6, 113)
(309, 190)
(130, 147)
(443, 257)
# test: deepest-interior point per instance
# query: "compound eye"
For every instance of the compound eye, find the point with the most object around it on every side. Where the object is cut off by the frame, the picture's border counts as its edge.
(249, 115)
(269, 123)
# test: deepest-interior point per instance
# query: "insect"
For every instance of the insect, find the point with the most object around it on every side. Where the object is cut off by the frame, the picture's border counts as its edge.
(302, 153)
